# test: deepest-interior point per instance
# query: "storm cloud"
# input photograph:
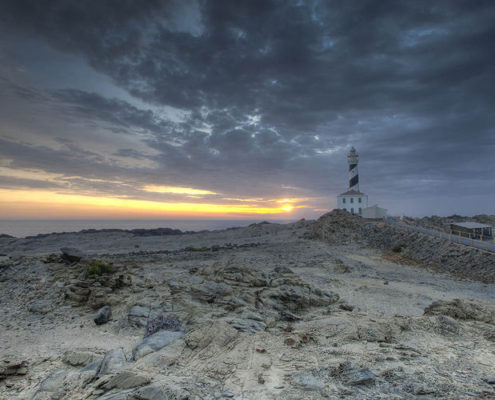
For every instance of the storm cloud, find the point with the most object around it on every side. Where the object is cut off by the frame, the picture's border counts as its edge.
(254, 99)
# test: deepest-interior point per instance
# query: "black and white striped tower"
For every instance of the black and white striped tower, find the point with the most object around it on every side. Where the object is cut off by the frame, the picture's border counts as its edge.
(353, 159)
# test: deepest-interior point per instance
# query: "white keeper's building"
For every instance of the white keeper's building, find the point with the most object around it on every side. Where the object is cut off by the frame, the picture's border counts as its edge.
(352, 201)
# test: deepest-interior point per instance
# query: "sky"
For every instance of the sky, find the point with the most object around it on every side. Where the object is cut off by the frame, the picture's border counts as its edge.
(246, 108)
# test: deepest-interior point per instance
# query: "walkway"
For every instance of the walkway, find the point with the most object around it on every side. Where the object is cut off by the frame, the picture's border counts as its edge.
(487, 246)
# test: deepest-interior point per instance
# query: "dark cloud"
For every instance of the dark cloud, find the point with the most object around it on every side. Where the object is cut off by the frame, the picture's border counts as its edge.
(9, 182)
(261, 95)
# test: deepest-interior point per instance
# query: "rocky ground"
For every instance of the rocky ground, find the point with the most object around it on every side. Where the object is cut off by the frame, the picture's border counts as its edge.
(311, 310)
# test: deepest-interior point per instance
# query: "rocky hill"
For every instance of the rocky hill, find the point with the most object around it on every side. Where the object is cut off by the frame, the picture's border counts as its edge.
(406, 246)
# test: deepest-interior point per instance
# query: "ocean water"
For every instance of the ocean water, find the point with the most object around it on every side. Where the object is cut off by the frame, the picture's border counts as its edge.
(22, 228)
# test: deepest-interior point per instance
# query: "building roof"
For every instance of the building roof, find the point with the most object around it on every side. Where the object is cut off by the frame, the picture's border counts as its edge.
(375, 206)
(352, 193)
(471, 225)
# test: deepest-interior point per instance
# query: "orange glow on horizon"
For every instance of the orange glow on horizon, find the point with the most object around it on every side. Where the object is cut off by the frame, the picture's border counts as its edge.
(46, 204)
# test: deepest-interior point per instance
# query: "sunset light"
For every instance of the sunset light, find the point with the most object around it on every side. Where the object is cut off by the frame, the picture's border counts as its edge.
(45, 204)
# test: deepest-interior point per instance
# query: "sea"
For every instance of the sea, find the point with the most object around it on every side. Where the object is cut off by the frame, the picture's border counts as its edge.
(23, 228)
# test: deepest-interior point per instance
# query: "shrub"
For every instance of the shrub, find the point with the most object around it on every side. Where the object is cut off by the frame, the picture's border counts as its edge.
(98, 267)
(197, 248)
(162, 322)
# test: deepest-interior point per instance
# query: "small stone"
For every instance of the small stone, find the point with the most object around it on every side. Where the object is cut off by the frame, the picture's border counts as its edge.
(289, 341)
(103, 315)
(490, 380)
(40, 306)
(71, 254)
(346, 307)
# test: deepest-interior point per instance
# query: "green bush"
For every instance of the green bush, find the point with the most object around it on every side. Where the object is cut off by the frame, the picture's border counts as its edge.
(98, 267)
(197, 249)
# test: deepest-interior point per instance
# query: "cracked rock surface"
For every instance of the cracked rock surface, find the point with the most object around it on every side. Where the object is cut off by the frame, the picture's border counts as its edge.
(308, 310)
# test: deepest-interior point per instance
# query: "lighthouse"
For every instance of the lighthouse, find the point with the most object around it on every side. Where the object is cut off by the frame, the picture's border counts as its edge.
(353, 200)
(352, 160)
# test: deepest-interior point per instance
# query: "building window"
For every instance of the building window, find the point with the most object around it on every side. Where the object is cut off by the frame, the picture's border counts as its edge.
(352, 199)
(360, 210)
(352, 210)
(343, 200)
(359, 199)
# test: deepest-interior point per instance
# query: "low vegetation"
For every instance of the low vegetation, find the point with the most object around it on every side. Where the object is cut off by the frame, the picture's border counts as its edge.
(99, 267)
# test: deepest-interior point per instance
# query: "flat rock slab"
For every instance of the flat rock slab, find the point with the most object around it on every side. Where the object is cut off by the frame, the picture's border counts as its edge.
(155, 342)
(54, 382)
(162, 391)
(127, 380)
(356, 376)
(78, 358)
(308, 381)
(113, 361)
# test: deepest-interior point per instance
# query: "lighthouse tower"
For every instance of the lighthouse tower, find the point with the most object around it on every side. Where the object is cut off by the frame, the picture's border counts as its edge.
(353, 200)
(352, 160)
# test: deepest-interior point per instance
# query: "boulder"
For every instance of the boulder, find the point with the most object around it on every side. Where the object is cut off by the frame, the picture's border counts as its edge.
(98, 298)
(12, 367)
(71, 254)
(139, 315)
(463, 310)
(113, 361)
(78, 358)
(209, 290)
(103, 315)
(78, 292)
(155, 342)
